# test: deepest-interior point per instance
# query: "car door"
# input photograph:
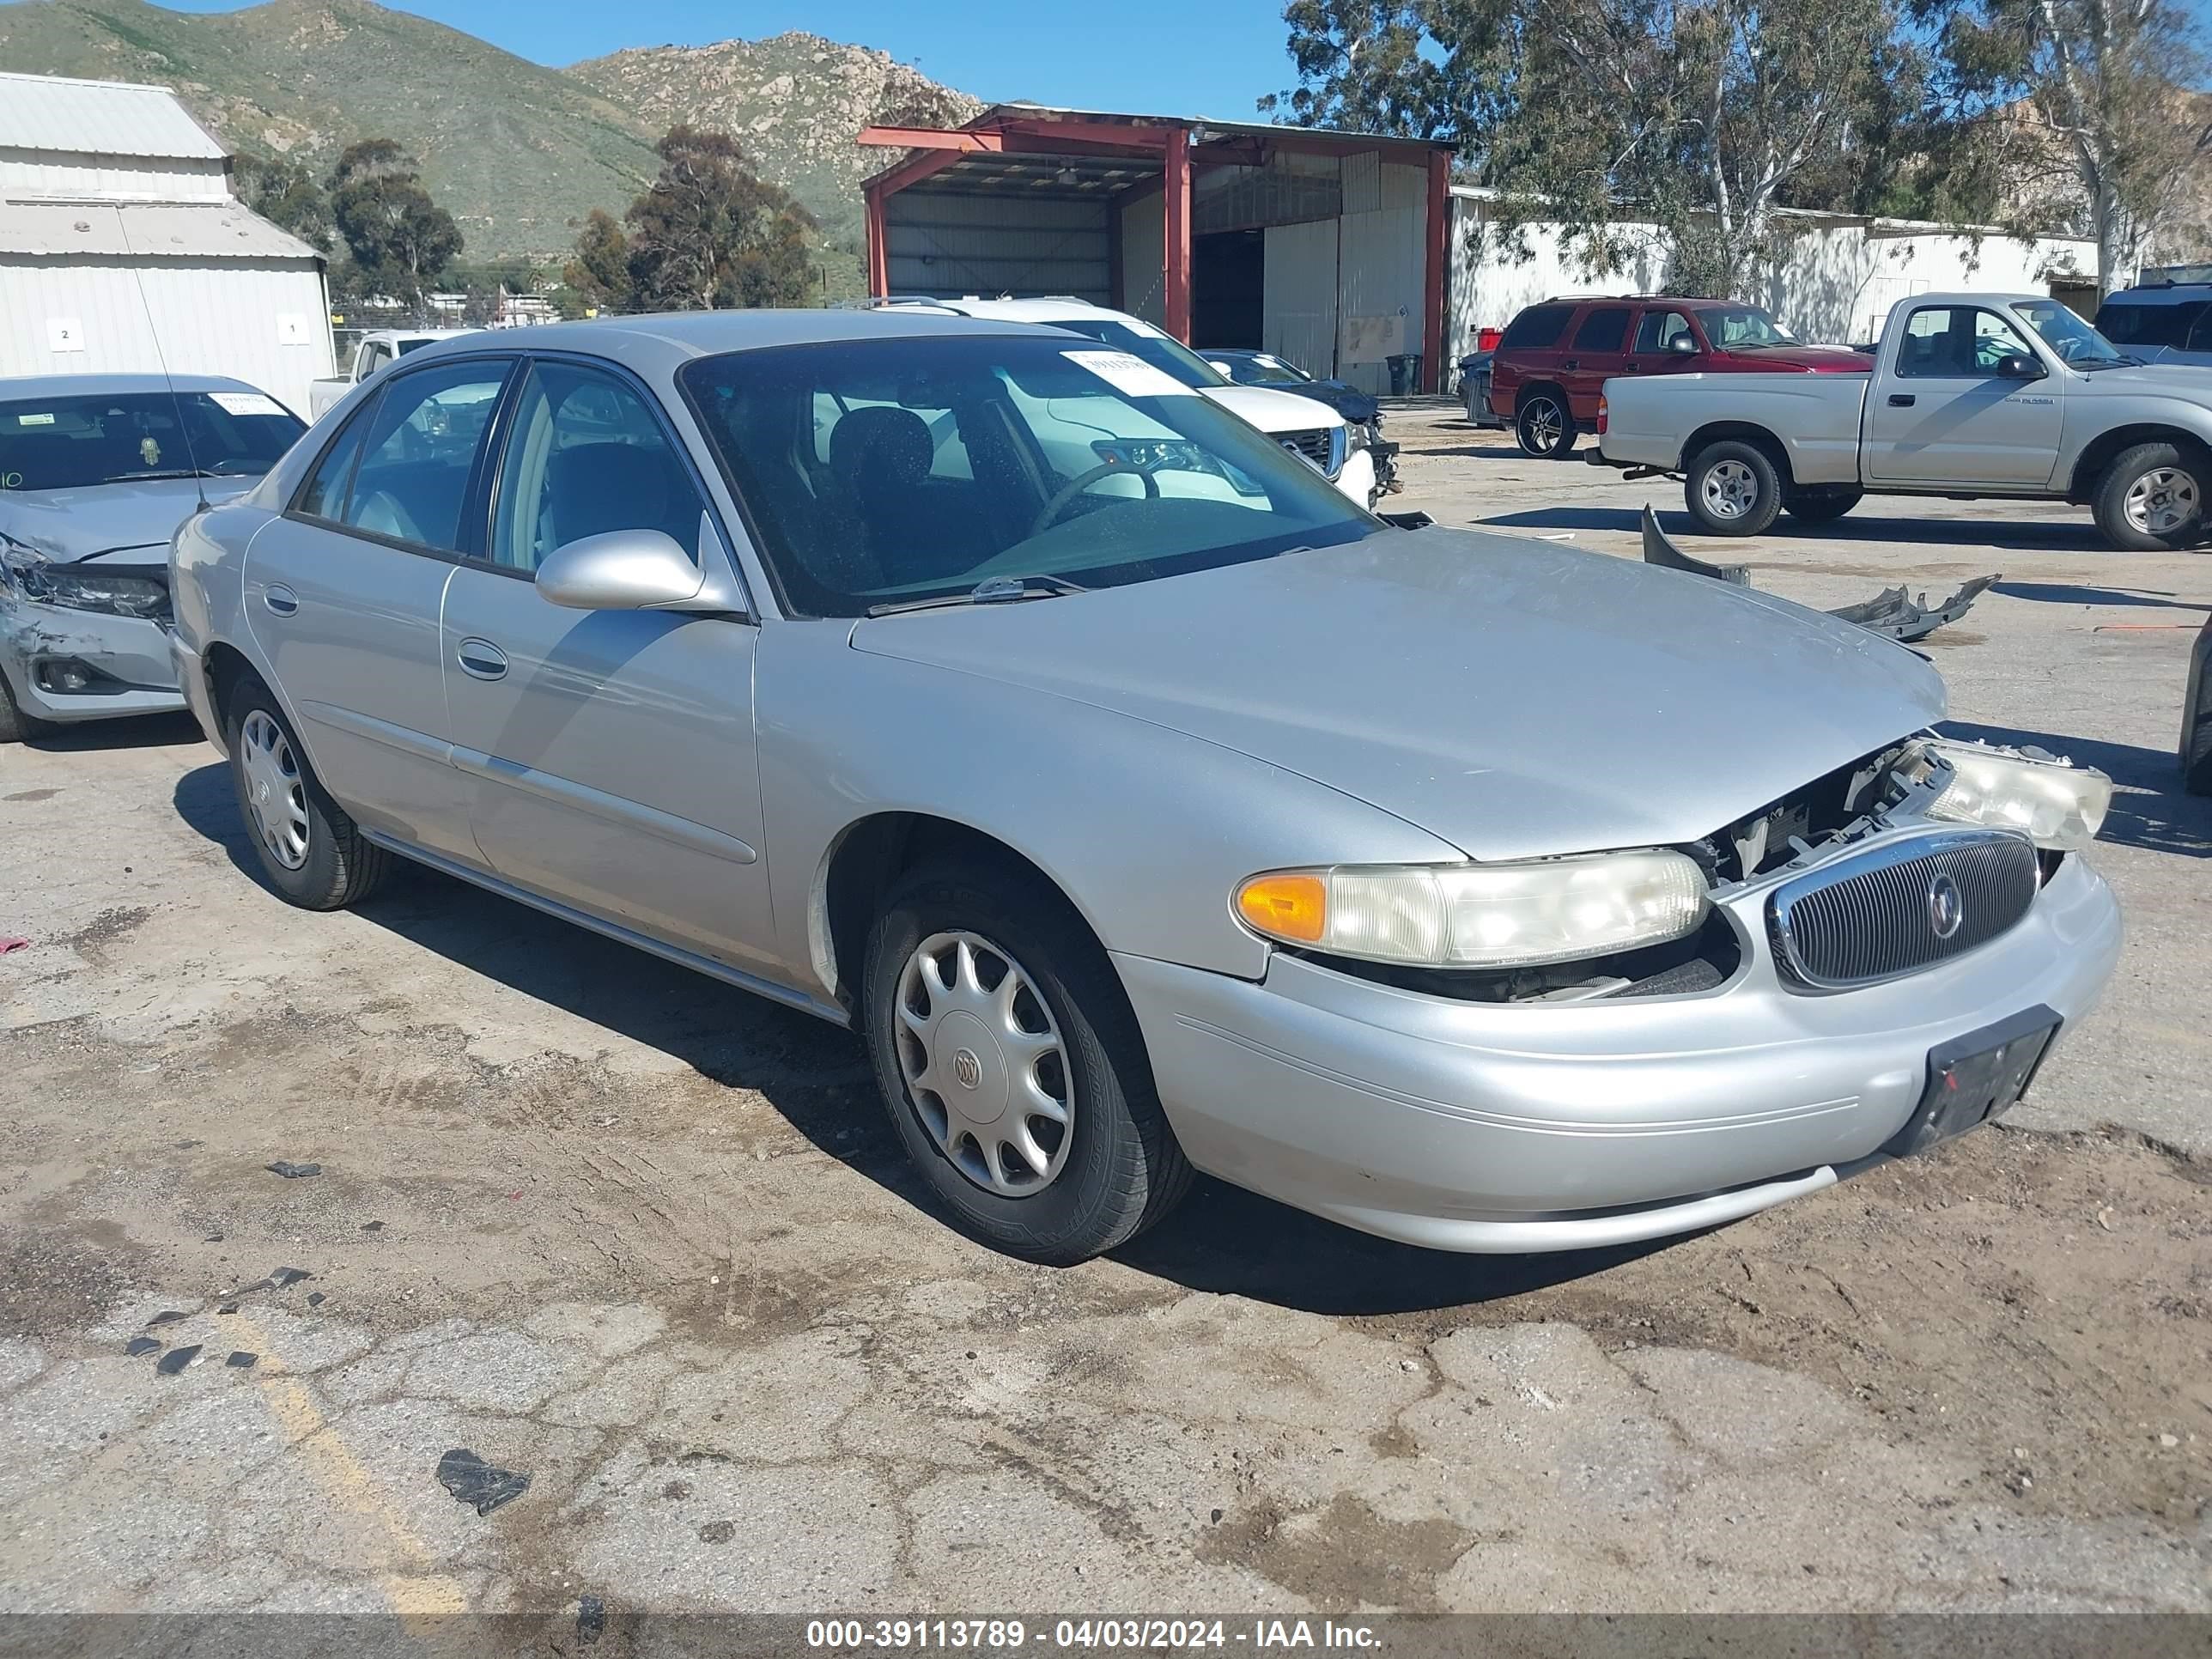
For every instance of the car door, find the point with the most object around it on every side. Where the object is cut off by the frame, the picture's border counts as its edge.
(343, 594)
(609, 753)
(1598, 351)
(1657, 345)
(1941, 413)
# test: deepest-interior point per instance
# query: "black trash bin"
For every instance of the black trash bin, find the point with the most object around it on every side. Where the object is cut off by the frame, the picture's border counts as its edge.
(1397, 361)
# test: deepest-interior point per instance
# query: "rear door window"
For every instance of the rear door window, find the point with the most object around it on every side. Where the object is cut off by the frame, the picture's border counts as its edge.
(1537, 327)
(1603, 329)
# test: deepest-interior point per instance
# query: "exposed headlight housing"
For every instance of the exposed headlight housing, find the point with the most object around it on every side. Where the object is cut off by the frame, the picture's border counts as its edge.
(2059, 806)
(80, 586)
(1480, 915)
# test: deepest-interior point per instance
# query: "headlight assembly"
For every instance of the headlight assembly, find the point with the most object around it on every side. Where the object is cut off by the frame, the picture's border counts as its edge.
(1480, 915)
(2058, 805)
(81, 586)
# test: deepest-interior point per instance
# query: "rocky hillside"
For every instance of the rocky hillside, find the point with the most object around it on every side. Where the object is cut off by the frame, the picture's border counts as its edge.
(518, 152)
(795, 102)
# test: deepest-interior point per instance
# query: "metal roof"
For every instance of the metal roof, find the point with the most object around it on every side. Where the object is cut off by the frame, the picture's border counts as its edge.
(99, 118)
(999, 113)
(149, 230)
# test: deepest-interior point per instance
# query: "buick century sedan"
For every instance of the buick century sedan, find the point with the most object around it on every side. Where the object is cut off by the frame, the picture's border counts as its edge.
(1146, 805)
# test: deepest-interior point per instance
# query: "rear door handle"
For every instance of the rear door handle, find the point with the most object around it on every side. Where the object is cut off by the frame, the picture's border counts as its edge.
(1572, 363)
(1901, 400)
(280, 600)
(482, 658)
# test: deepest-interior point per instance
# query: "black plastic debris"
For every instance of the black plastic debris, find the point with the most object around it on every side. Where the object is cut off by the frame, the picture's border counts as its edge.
(591, 1619)
(212, 1238)
(176, 1359)
(473, 1481)
(283, 1276)
(1891, 613)
(167, 1317)
(293, 1171)
(372, 1226)
(241, 1360)
(138, 1345)
(315, 1299)
(228, 1308)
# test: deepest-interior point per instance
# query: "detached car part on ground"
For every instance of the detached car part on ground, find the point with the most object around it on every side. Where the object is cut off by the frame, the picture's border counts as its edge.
(1146, 805)
(95, 475)
(1891, 613)
(2197, 716)
(1972, 396)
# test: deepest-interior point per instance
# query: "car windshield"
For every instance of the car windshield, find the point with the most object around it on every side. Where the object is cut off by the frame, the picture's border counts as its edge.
(1171, 356)
(880, 471)
(1731, 328)
(69, 443)
(2064, 332)
(1258, 369)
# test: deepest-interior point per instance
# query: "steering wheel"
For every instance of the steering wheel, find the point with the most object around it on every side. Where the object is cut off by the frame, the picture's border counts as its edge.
(1067, 492)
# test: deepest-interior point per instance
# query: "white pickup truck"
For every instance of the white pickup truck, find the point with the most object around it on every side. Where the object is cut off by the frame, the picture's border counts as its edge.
(1971, 395)
(377, 349)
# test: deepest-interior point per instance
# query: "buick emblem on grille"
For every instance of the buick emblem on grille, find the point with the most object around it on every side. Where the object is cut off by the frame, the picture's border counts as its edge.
(1947, 906)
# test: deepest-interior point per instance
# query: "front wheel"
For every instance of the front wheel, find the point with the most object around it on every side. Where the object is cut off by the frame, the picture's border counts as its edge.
(1012, 1066)
(1544, 426)
(1732, 488)
(1823, 508)
(2152, 498)
(16, 727)
(310, 850)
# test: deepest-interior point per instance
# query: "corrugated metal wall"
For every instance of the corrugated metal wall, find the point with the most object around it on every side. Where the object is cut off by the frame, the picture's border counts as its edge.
(1298, 319)
(26, 175)
(949, 244)
(1144, 258)
(267, 324)
(1383, 276)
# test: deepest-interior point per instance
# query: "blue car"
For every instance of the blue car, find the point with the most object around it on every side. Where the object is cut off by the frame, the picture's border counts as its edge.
(2161, 323)
(96, 473)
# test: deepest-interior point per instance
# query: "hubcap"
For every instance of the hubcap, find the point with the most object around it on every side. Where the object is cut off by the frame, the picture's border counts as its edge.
(1731, 489)
(274, 789)
(2162, 501)
(1542, 425)
(985, 1068)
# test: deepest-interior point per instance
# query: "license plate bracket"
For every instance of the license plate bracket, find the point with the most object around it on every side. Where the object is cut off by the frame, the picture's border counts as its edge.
(1976, 1078)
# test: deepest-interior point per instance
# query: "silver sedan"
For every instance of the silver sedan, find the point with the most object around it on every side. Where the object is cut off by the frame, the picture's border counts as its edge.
(1145, 805)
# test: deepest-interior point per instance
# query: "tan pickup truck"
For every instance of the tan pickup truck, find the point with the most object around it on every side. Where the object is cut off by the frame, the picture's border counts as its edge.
(1970, 396)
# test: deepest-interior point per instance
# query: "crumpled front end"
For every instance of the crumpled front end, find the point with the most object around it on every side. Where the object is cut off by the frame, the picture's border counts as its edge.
(66, 663)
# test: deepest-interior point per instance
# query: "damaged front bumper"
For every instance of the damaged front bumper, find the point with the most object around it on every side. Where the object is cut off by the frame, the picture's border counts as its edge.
(65, 665)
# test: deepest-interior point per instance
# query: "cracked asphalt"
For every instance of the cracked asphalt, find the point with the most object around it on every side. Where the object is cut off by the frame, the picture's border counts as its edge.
(647, 1243)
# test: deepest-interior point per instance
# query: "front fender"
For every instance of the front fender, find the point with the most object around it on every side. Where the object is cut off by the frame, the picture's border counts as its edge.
(1146, 831)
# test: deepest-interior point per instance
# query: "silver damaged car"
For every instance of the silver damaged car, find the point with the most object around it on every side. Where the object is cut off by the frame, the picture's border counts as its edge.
(1143, 803)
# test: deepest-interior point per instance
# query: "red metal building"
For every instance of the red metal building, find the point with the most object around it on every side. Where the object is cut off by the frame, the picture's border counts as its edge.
(1325, 247)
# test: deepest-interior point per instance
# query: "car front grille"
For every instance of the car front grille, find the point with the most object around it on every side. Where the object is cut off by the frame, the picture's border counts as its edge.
(1900, 907)
(1319, 446)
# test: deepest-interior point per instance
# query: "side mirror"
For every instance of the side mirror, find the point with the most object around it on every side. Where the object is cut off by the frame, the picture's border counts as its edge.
(1683, 345)
(620, 570)
(2014, 367)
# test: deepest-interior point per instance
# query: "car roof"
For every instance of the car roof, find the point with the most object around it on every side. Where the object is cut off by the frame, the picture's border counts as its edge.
(686, 334)
(1063, 309)
(32, 387)
(2163, 294)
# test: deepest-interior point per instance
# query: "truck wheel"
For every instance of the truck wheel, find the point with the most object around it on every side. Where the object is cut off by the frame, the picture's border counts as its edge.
(2152, 498)
(1807, 508)
(1733, 489)
(1543, 423)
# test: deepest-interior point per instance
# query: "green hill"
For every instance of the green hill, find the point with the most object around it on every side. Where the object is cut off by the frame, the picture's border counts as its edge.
(516, 151)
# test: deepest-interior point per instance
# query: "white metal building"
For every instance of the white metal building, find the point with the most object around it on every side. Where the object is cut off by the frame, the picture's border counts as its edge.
(1842, 274)
(118, 226)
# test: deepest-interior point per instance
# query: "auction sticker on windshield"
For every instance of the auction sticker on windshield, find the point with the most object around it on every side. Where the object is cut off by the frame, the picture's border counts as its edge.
(1133, 377)
(247, 403)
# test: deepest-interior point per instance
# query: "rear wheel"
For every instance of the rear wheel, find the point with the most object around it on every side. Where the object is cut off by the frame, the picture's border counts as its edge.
(311, 852)
(2152, 498)
(1809, 507)
(1732, 488)
(1012, 1067)
(1543, 423)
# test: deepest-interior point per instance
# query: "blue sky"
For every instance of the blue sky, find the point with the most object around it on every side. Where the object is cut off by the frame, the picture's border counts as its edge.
(1218, 56)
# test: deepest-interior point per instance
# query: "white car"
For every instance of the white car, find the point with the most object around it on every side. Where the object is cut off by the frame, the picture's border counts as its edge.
(379, 349)
(1339, 449)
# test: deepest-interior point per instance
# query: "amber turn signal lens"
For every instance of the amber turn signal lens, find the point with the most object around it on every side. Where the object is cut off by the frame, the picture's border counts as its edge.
(1287, 907)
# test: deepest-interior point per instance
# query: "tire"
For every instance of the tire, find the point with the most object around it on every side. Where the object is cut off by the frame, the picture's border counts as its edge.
(16, 727)
(335, 865)
(2151, 499)
(1732, 489)
(1822, 508)
(1115, 1169)
(1543, 425)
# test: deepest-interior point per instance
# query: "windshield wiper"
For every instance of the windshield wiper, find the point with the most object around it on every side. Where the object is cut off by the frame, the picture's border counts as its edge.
(141, 477)
(997, 590)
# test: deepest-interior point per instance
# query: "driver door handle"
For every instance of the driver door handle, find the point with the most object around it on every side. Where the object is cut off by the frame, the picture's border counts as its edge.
(280, 601)
(1900, 400)
(480, 659)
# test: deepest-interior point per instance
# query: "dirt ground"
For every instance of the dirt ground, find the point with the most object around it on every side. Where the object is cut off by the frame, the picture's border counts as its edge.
(647, 1241)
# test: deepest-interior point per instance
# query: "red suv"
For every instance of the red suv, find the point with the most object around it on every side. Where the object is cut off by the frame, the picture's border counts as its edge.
(1556, 357)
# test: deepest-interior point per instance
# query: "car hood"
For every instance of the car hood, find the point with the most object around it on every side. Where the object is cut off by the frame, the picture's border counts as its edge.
(1271, 410)
(1831, 360)
(109, 520)
(2166, 379)
(1515, 698)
